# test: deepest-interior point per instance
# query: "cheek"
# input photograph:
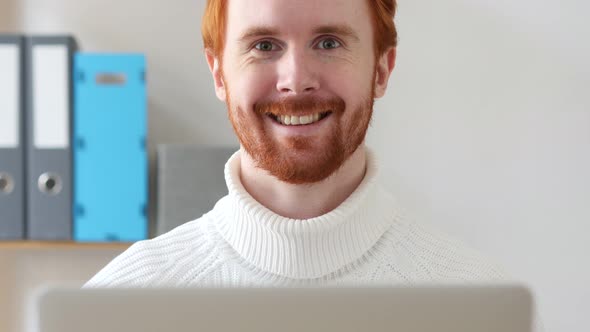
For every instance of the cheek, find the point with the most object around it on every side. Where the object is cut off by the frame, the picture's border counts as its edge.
(350, 82)
(249, 87)
(354, 95)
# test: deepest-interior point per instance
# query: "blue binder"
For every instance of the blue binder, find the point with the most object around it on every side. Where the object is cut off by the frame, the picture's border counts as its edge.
(110, 157)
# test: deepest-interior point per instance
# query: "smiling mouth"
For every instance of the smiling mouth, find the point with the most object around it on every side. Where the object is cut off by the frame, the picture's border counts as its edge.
(295, 120)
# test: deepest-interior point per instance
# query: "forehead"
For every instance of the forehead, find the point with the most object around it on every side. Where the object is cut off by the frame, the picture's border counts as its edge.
(297, 16)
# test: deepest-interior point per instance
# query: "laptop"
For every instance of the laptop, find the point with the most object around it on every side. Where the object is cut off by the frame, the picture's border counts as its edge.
(506, 308)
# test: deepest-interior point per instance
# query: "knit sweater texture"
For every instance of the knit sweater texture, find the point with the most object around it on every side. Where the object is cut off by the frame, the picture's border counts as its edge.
(240, 243)
(367, 240)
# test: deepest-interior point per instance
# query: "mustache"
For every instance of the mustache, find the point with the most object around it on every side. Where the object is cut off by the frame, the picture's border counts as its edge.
(301, 106)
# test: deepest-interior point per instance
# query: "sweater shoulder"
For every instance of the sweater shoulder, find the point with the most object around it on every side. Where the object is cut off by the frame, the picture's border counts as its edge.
(145, 261)
(432, 255)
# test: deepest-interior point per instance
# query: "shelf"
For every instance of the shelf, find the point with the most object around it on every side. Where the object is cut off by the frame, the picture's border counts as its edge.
(26, 265)
(43, 245)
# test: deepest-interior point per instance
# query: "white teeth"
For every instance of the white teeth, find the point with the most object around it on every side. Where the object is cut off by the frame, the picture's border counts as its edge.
(292, 120)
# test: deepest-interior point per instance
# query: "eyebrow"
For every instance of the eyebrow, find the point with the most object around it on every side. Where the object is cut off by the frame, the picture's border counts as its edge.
(343, 30)
(257, 32)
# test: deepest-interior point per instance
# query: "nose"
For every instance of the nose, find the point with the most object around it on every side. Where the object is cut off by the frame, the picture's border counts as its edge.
(296, 74)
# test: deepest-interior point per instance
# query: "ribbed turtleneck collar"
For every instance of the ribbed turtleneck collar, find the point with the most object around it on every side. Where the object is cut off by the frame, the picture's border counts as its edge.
(304, 249)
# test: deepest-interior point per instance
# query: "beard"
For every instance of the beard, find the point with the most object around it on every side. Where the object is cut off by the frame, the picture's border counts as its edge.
(302, 159)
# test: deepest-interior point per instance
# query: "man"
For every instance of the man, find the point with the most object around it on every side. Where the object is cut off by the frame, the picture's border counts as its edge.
(299, 78)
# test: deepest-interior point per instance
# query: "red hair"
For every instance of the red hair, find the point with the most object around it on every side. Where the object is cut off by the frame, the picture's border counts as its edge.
(382, 12)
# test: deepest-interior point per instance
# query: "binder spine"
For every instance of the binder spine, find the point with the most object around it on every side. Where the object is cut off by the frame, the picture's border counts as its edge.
(110, 153)
(12, 146)
(48, 122)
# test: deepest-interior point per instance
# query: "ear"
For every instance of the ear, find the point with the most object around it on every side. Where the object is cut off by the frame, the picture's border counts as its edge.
(217, 73)
(385, 66)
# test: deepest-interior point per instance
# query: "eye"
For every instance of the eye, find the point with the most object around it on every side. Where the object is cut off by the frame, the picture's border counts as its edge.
(329, 43)
(265, 46)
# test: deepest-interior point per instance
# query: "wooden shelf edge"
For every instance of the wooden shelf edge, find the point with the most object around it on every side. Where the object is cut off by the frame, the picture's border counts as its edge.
(62, 245)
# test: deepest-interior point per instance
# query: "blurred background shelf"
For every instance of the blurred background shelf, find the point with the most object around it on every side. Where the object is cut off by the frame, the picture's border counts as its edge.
(27, 265)
(63, 245)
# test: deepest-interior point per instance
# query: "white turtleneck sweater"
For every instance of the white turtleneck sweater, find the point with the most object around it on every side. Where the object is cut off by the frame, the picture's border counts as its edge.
(241, 243)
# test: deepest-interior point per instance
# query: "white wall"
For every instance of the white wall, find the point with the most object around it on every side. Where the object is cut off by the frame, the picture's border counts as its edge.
(485, 131)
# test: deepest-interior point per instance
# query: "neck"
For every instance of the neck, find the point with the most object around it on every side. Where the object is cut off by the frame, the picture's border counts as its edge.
(303, 201)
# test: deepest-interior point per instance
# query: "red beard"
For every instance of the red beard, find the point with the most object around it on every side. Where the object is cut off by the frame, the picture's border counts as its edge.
(302, 159)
